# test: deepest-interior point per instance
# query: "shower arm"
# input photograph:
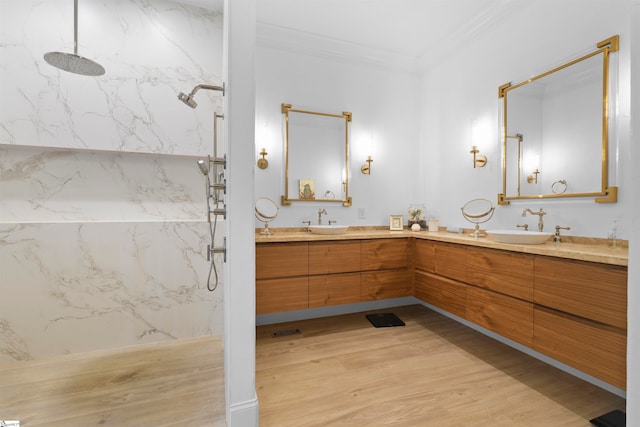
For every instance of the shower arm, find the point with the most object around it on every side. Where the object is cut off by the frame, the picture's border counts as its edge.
(208, 87)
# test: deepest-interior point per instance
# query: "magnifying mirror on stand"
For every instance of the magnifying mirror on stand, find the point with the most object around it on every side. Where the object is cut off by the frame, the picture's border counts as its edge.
(266, 211)
(478, 211)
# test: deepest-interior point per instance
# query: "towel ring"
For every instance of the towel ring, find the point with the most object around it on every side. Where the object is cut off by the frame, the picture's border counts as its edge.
(559, 187)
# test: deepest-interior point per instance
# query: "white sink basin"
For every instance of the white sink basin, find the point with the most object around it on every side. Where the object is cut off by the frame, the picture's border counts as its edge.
(519, 236)
(328, 229)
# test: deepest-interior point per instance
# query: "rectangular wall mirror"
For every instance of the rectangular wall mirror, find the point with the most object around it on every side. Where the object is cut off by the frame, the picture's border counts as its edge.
(316, 147)
(555, 131)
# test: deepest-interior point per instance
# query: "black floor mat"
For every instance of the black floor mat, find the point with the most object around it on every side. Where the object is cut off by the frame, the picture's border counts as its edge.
(384, 320)
(611, 419)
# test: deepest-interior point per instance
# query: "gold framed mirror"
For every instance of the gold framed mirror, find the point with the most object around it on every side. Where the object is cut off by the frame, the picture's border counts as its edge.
(555, 131)
(316, 148)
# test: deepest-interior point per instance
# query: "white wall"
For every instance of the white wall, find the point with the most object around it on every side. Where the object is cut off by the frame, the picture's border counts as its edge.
(633, 313)
(463, 88)
(385, 107)
(240, 285)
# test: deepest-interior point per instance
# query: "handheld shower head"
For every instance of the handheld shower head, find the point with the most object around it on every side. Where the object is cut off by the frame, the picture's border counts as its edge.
(203, 167)
(188, 99)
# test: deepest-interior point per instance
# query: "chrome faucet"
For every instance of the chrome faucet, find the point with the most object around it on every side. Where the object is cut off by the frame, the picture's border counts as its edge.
(540, 214)
(320, 212)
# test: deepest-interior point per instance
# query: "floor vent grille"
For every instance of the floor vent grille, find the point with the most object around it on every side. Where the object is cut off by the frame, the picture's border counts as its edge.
(285, 332)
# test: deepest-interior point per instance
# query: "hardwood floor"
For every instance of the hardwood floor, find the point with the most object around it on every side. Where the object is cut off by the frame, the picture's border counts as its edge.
(176, 383)
(341, 371)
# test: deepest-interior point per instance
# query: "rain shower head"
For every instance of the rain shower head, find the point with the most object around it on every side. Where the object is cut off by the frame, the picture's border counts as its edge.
(203, 167)
(72, 62)
(188, 99)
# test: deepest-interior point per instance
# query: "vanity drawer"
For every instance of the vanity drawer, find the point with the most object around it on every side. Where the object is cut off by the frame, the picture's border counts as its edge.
(451, 261)
(384, 254)
(282, 260)
(334, 257)
(591, 347)
(283, 294)
(385, 284)
(446, 294)
(501, 271)
(334, 289)
(586, 289)
(507, 316)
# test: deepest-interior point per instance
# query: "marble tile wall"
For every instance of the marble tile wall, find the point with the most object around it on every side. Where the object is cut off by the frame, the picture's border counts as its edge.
(151, 51)
(103, 229)
(73, 287)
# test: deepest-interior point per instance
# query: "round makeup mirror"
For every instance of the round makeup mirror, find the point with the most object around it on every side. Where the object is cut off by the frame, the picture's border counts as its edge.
(266, 211)
(478, 211)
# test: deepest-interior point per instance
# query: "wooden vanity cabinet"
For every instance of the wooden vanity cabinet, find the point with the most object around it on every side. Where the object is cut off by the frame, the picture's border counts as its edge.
(334, 273)
(433, 264)
(384, 269)
(573, 311)
(501, 295)
(581, 316)
(282, 277)
(492, 288)
(295, 276)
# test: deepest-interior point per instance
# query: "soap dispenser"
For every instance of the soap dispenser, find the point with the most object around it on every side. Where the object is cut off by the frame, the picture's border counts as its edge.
(612, 235)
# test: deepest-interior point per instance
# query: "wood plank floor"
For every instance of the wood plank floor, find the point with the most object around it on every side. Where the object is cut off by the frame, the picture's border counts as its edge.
(172, 383)
(341, 371)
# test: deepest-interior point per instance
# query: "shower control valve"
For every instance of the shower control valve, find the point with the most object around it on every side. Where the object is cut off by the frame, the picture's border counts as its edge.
(218, 250)
(222, 212)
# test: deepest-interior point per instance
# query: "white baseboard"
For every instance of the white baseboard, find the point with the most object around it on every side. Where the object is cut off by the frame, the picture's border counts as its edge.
(243, 414)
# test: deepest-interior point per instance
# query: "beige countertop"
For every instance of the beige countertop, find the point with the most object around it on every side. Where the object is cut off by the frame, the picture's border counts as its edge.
(578, 248)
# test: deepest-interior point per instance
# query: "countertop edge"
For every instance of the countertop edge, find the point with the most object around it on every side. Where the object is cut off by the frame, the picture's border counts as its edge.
(591, 252)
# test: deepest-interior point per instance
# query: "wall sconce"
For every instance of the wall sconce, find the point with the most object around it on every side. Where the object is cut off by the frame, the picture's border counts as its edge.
(533, 179)
(263, 163)
(366, 169)
(479, 160)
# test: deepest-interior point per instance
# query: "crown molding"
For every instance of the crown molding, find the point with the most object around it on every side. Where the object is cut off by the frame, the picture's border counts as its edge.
(285, 39)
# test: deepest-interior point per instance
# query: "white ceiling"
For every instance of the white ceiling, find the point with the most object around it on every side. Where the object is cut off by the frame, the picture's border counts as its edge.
(406, 33)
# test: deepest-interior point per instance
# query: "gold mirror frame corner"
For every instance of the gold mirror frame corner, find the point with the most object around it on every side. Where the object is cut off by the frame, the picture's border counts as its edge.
(347, 117)
(607, 194)
(502, 201)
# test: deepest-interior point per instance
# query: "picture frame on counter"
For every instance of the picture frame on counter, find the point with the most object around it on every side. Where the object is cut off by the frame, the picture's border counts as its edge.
(396, 222)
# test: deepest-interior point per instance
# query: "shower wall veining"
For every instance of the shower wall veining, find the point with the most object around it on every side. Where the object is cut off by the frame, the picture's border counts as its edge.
(103, 230)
